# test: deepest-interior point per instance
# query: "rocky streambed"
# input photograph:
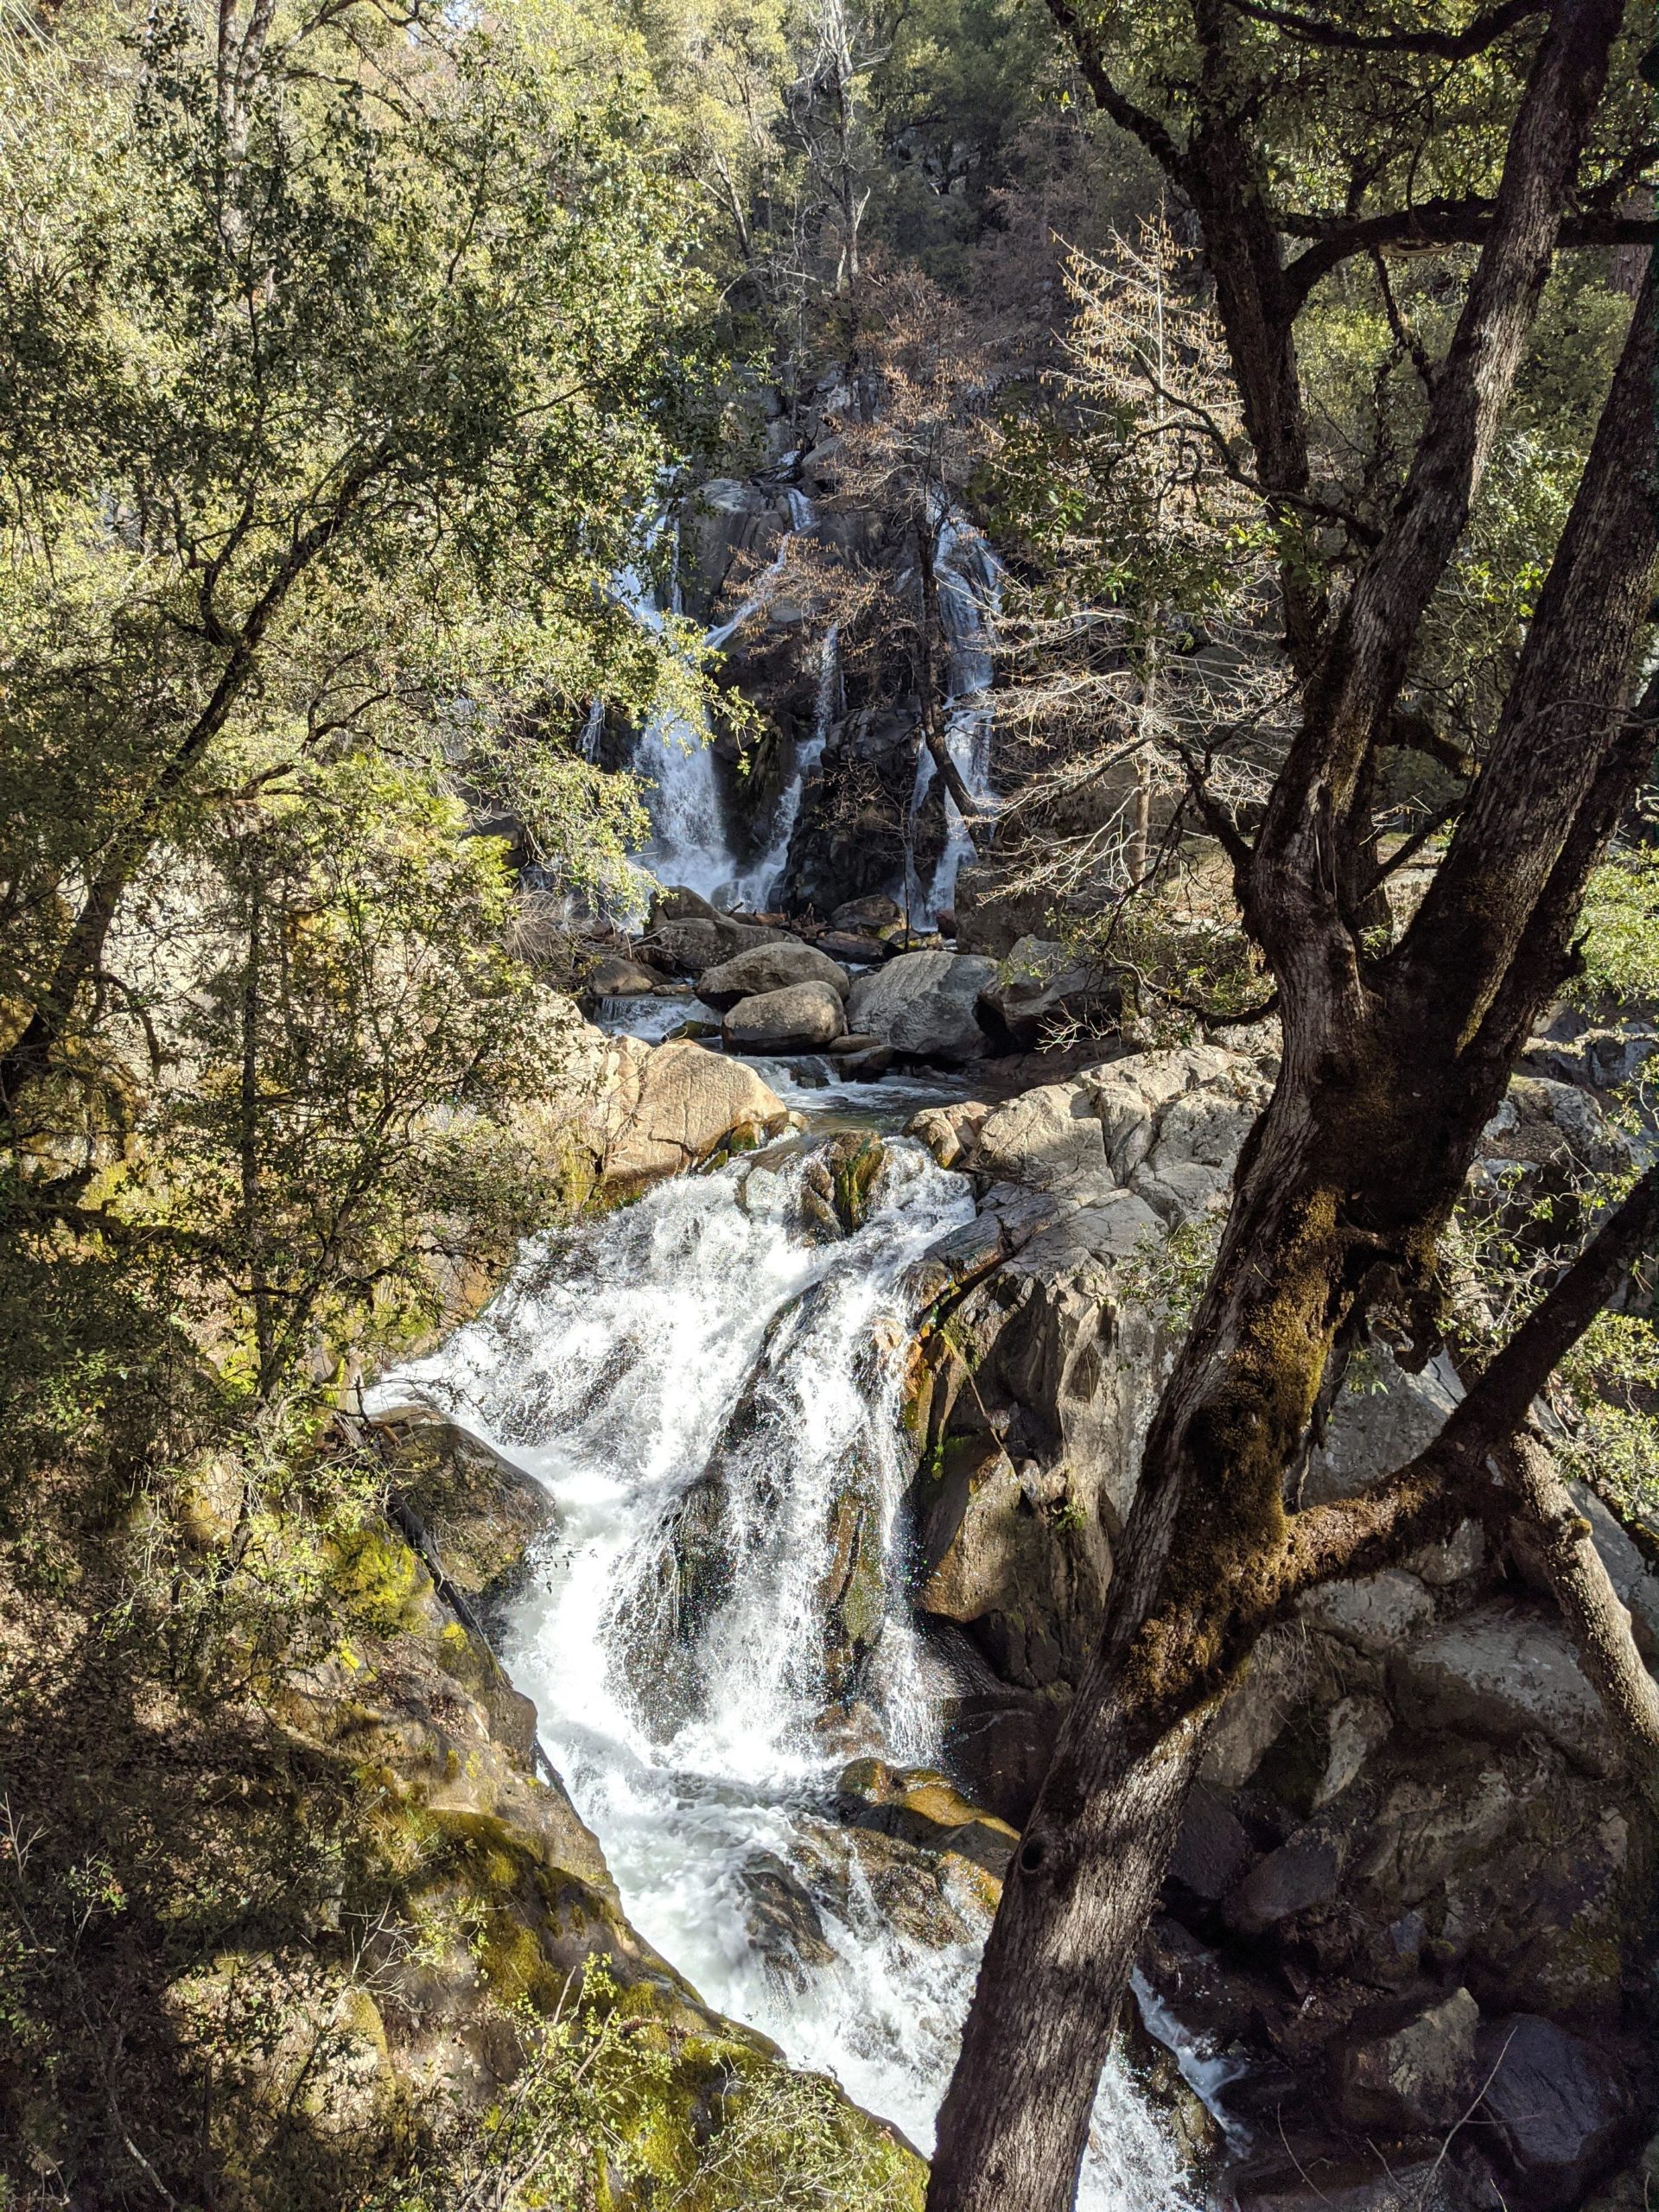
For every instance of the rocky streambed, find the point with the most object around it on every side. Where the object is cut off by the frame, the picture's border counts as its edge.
(834, 1440)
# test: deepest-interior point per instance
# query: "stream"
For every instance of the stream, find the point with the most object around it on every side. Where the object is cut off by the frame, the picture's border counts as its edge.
(708, 1374)
(707, 1383)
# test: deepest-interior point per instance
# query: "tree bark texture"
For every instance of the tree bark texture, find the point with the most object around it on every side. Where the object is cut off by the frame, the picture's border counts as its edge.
(1393, 1064)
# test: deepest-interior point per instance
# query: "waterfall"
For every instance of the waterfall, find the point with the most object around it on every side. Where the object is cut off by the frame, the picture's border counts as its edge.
(708, 1383)
(690, 842)
(970, 598)
(769, 866)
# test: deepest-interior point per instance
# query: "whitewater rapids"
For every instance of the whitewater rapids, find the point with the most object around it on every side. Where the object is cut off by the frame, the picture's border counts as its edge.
(711, 1337)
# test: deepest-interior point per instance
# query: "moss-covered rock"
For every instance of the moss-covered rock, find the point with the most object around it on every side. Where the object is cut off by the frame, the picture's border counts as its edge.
(481, 1514)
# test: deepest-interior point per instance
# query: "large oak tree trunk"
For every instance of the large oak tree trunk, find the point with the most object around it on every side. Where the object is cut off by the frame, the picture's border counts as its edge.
(1392, 1065)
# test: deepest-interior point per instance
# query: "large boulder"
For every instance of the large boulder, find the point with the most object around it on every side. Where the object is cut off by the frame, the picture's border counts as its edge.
(652, 1110)
(1041, 991)
(802, 1019)
(1556, 2104)
(480, 1515)
(923, 1005)
(1507, 1672)
(767, 968)
(687, 936)
(876, 913)
(617, 977)
(1409, 2067)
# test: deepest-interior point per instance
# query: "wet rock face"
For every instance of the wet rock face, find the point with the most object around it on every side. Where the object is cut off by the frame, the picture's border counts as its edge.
(849, 842)
(917, 1806)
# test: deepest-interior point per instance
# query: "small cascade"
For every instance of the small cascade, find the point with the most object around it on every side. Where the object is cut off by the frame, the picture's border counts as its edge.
(708, 1383)
(690, 844)
(771, 865)
(970, 599)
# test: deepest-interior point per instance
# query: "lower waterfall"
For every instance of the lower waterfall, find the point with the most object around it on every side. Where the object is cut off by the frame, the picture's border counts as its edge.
(708, 1383)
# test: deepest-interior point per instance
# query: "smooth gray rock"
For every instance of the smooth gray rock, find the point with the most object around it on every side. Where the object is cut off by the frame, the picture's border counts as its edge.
(1048, 1140)
(923, 1005)
(1380, 1612)
(1303, 1871)
(799, 1019)
(1506, 1672)
(767, 968)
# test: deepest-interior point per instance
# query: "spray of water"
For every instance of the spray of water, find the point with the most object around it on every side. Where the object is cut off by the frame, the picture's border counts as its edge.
(708, 1384)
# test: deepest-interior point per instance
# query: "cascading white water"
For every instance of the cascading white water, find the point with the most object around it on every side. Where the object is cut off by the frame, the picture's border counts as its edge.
(970, 598)
(771, 865)
(690, 841)
(707, 1368)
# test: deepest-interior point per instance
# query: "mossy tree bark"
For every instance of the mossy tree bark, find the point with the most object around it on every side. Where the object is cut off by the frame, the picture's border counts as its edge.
(1394, 1058)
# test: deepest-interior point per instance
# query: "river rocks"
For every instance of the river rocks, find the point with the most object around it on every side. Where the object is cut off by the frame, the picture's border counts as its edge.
(1557, 2106)
(1040, 992)
(917, 1806)
(615, 977)
(876, 913)
(837, 1182)
(949, 1132)
(923, 1004)
(785, 1924)
(1301, 1872)
(801, 1018)
(1409, 2068)
(655, 1111)
(1507, 1672)
(851, 946)
(852, 1588)
(1367, 2185)
(687, 934)
(764, 970)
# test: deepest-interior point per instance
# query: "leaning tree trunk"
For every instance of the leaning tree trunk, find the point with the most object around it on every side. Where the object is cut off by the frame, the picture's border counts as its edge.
(1085, 1879)
(1350, 1175)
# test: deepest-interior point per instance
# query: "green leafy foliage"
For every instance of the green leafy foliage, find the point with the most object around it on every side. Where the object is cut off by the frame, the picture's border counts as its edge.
(1620, 941)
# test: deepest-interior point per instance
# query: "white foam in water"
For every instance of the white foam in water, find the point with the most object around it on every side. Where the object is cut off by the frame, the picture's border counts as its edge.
(703, 1331)
(970, 599)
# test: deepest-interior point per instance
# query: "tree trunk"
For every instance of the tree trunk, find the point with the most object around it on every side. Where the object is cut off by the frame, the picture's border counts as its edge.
(1083, 1897)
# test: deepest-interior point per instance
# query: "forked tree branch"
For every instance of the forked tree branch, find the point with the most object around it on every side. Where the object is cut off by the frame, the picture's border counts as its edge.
(1446, 45)
(1354, 1535)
